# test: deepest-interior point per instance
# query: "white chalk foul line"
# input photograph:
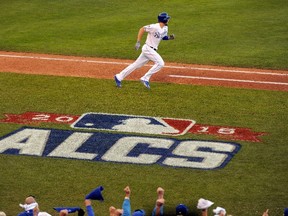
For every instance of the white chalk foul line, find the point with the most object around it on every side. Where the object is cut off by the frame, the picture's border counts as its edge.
(229, 71)
(229, 80)
(62, 59)
(124, 63)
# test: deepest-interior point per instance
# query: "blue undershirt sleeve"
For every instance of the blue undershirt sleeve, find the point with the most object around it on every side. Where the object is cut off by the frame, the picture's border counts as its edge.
(90, 211)
(126, 207)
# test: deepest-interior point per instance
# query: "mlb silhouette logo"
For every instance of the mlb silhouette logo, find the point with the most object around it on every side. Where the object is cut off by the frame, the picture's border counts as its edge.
(133, 124)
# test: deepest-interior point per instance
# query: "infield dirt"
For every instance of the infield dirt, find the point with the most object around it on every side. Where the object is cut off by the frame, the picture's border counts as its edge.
(103, 68)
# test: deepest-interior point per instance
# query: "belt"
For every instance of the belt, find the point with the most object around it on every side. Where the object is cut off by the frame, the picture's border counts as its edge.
(152, 47)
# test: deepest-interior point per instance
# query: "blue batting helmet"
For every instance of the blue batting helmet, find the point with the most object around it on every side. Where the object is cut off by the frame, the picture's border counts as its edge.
(163, 17)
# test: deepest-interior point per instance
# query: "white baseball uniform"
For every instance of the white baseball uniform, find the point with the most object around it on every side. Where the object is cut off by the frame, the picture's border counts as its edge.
(149, 52)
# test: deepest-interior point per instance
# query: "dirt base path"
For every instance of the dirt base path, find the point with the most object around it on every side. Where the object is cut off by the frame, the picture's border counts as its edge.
(103, 68)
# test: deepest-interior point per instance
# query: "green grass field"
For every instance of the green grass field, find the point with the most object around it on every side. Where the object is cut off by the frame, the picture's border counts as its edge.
(232, 33)
(235, 33)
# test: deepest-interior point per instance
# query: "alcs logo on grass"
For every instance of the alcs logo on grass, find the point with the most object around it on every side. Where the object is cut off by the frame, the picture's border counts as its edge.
(118, 148)
(122, 148)
(135, 124)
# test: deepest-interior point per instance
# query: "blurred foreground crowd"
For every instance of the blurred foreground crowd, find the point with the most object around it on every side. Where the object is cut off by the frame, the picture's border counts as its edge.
(31, 207)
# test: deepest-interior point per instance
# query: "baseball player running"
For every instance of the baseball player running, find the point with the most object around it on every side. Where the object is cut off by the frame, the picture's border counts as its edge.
(156, 33)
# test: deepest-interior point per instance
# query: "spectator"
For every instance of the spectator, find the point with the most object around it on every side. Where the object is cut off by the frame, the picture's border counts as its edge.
(265, 213)
(181, 210)
(286, 212)
(115, 212)
(31, 208)
(204, 204)
(95, 194)
(126, 206)
(159, 206)
(66, 210)
(219, 211)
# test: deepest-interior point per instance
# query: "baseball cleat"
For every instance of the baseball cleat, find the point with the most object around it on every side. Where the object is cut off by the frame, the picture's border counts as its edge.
(146, 83)
(118, 82)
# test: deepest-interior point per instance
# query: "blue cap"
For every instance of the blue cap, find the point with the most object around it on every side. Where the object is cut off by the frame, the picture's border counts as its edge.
(181, 209)
(139, 212)
(69, 209)
(286, 212)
